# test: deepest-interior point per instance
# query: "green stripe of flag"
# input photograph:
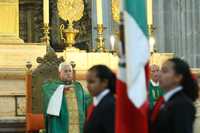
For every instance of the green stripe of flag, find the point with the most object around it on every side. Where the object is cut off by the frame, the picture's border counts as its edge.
(137, 9)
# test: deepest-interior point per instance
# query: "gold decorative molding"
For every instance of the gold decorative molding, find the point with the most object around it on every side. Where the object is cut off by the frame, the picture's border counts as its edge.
(8, 1)
(71, 10)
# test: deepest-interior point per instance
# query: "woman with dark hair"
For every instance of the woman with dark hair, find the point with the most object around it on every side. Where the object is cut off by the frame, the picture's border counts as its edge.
(175, 112)
(101, 85)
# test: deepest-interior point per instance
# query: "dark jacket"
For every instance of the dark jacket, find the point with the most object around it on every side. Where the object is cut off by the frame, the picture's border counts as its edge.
(102, 120)
(176, 116)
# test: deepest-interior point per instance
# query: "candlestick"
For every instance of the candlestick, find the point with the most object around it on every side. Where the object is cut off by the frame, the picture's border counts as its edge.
(100, 39)
(99, 11)
(152, 43)
(149, 12)
(45, 38)
(46, 11)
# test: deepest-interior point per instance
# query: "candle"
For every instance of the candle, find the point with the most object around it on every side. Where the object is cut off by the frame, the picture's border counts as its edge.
(99, 12)
(112, 42)
(149, 12)
(151, 43)
(46, 11)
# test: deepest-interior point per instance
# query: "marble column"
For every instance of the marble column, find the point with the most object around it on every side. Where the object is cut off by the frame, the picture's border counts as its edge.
(177, 28)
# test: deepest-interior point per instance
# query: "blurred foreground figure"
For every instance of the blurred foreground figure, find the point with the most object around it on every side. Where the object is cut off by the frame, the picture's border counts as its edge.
(175, 112)
(101, 115)
(197, 119)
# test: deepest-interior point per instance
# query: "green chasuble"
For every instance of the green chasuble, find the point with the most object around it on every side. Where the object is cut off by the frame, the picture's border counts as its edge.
(73, 109)
(154, 93)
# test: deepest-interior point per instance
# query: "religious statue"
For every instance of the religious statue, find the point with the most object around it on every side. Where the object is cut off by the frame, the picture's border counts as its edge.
(154, 89)
(65, 103)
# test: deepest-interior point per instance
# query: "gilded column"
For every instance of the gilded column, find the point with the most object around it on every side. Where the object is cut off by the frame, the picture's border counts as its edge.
(9, 21)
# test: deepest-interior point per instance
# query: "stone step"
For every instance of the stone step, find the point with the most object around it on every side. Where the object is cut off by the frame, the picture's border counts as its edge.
(12, 125)
(12, 130)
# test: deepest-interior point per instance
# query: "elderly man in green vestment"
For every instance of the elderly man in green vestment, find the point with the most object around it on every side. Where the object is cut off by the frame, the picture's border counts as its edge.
(154, 89)
(65, 103)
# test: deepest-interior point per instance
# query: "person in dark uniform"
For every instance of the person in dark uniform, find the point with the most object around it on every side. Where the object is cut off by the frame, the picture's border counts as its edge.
(175, 112)
(101, 114)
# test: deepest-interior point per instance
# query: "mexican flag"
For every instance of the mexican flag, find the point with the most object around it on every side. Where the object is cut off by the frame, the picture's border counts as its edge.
(132, 96)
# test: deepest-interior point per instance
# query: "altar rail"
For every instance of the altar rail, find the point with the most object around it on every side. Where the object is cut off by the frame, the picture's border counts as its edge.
(12, 125)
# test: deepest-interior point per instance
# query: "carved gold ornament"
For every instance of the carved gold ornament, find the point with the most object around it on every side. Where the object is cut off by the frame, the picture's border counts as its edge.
(116, 10)
(71, 10)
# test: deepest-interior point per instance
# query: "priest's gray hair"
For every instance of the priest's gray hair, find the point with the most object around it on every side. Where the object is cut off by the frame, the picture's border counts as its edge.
(62, 65)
